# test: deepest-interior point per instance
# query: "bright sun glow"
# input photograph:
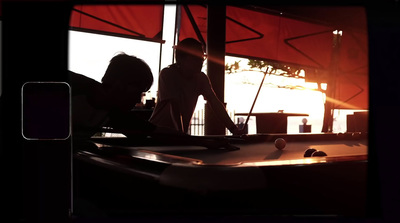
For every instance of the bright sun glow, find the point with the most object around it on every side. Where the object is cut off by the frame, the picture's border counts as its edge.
(292, 95)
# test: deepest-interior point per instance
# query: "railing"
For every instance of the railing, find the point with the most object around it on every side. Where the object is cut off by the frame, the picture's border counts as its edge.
(196, 126)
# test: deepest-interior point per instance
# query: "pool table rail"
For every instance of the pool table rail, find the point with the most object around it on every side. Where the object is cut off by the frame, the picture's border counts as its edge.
(197, 175)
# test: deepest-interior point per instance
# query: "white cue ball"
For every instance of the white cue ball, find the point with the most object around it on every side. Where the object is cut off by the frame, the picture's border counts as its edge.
(280, 143)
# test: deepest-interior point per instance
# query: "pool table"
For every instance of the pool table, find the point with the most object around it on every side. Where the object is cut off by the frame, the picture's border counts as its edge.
(139, 176)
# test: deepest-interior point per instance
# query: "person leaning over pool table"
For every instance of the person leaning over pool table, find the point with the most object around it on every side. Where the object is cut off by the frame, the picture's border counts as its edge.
(179, 87)
(96, 105)
(108, 104)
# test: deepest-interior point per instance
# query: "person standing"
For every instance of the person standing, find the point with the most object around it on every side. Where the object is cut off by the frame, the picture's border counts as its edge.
(180, 85)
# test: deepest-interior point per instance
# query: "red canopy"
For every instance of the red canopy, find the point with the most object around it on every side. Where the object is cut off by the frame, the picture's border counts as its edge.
(257, 34)
(271, 37)
(132, 21)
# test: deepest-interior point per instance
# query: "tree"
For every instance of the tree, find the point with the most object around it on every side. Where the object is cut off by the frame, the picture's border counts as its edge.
(288, 71)
(232, 67)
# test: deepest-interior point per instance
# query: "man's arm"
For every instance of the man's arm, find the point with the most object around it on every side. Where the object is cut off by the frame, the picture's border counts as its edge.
(219, 109)
(168, 97)
(176, 114)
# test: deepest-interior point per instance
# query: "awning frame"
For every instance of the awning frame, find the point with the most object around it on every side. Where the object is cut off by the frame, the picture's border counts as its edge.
(139, 36)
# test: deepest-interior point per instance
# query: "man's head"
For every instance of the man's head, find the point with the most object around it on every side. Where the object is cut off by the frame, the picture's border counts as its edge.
(190, 55)
(125, 79)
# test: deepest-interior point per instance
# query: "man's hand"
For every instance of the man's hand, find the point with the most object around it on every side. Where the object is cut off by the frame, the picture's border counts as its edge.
(236, 131)
(217, 144)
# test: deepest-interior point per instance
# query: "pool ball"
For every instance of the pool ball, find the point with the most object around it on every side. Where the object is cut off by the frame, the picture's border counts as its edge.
(318, 153)
(280, 143)
(309, 151)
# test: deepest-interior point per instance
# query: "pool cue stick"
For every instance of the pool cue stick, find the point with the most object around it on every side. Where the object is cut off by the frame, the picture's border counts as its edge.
(255, 99)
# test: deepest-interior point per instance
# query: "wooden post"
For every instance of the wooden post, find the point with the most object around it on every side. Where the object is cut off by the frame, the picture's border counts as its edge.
(216, 18)
(331, 85)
